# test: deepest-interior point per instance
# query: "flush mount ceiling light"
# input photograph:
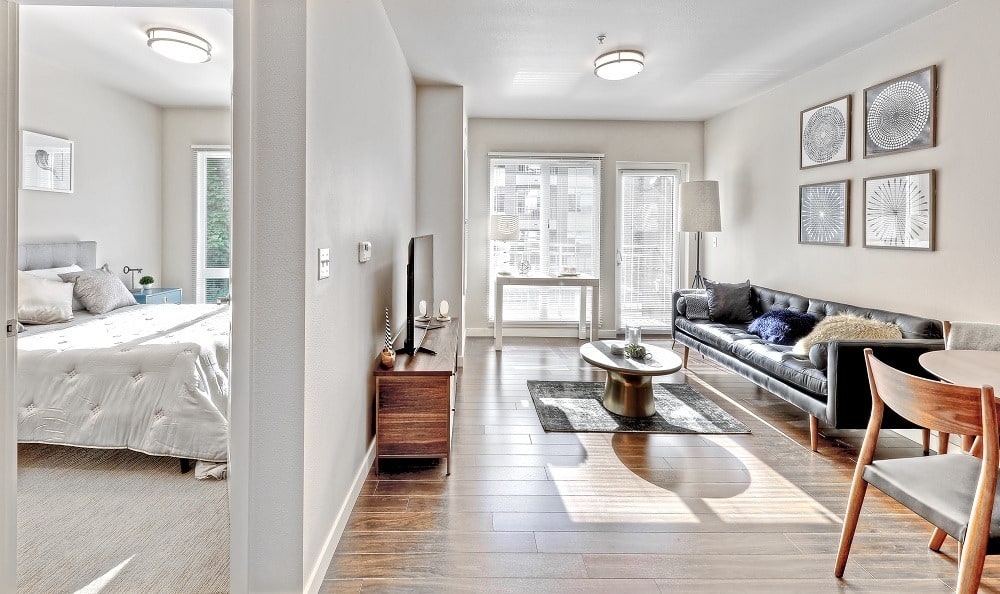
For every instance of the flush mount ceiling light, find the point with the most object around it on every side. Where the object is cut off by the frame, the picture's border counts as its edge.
(179, 45)
(619, 65)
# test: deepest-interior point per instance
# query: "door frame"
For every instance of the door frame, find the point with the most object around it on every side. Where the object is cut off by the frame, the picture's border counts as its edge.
(679, 244)
(242, 95)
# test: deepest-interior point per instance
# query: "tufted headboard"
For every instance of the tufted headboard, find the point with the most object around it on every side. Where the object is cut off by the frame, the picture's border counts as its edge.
(33, 256)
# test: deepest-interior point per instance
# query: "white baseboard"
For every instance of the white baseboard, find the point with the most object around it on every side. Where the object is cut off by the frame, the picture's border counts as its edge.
(543, 332)
(315, 579)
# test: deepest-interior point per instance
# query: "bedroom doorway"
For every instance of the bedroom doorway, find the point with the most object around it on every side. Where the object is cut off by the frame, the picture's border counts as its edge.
(114, 123)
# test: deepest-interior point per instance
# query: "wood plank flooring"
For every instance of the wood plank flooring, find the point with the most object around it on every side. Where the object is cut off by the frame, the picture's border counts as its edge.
(529, 511)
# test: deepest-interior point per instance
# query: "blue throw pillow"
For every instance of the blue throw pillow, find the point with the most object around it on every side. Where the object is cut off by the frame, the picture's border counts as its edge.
(783, 326)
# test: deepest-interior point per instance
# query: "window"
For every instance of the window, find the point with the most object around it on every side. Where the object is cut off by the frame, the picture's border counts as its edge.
(557, 200)
(213, 224)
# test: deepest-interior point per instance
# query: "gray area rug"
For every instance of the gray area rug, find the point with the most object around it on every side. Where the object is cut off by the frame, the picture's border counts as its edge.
(117, 521)
(577, 407)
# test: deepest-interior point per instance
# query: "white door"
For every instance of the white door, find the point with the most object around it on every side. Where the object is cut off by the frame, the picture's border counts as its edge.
(8, 297)
(647, 248)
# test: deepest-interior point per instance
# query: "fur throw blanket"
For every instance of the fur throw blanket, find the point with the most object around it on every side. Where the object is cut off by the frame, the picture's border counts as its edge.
(846, 327)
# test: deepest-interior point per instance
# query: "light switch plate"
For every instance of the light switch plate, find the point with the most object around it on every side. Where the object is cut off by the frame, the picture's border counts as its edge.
(364, 251)
(324, 263)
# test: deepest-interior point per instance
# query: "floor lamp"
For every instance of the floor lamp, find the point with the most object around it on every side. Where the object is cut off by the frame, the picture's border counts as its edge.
(699, 212)
(504, 228)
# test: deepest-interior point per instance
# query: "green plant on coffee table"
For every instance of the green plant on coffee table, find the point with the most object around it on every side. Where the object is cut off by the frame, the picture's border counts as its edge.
(635, 351)
(146, 280)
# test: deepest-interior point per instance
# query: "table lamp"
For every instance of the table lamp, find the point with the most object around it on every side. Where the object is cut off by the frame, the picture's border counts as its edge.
(504, 228)
(699, 212)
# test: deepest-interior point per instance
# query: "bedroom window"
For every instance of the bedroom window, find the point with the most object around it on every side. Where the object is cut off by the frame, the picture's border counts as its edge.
(557, 200)
(213, 223)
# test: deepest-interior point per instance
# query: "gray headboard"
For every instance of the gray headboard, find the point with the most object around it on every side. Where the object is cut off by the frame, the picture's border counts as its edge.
(33, 256)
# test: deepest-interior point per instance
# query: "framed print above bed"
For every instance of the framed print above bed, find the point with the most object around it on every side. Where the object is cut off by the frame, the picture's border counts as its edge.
(899, 211)
(46, 163)
(823, 213)
(900, 113)
(825, 133)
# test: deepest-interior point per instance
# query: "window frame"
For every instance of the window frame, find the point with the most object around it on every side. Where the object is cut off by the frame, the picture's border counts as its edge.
(200, 273)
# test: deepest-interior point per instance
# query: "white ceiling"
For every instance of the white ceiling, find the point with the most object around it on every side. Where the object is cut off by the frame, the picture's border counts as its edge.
(109, 45)
(534, 58)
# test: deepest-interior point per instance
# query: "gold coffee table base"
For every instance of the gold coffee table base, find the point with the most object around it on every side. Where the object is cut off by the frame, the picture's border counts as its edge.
(629, 395)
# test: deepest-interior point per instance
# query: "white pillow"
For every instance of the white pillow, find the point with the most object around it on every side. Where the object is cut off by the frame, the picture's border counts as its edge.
(53, 274)
(43, 301)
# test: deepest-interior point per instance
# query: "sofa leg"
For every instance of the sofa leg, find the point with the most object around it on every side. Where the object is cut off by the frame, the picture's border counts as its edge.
(925, 435)
(813, 433)
(687, 351)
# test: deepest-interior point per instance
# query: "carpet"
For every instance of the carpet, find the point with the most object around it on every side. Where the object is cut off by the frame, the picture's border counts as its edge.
(577, 407)
(117, 521)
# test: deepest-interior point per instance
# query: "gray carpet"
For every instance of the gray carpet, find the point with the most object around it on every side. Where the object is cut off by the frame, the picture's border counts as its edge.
(117, 521)
(576, 407)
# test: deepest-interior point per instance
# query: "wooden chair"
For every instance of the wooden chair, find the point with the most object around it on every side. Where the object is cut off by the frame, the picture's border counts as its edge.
(955, 493)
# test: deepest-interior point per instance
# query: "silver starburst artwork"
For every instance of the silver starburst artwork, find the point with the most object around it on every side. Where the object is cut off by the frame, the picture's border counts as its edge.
(899, 211)
(899, 114)
(823, 213)
(825, 133)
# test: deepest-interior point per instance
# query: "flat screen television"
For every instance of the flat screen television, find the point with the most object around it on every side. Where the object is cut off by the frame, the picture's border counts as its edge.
(419, 288)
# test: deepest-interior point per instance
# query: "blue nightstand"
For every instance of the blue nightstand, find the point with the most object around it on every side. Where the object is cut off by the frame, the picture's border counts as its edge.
(161, 295)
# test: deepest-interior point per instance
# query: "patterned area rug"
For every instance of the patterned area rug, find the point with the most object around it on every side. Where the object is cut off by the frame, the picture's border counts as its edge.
(577, 407)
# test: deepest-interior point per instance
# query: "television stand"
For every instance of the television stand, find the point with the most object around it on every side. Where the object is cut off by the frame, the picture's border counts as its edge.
(415, 400)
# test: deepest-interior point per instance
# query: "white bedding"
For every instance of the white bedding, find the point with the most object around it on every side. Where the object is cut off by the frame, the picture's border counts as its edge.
(150, 378)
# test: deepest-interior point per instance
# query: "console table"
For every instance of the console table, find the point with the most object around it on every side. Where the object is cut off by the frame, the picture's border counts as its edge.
(551, 281)
(415, 400)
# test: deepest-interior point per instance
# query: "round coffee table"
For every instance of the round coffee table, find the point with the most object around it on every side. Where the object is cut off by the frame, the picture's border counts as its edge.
(628, 390)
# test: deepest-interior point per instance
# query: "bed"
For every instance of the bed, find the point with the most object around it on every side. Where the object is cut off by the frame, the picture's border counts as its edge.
(149, 378)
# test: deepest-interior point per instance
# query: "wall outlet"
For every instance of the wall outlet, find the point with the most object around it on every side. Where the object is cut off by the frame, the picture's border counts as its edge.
(364, 251)
(715, 241)
(324, 263)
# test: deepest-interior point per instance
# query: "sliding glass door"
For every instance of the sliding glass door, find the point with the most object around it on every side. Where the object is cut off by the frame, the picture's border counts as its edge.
(647, 248)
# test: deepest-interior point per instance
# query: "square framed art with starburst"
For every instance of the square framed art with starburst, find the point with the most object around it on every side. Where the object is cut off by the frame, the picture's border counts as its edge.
(823, 213)
(899, 211)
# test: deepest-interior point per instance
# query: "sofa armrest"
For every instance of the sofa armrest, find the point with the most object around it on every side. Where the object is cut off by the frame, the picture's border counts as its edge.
(849, 400)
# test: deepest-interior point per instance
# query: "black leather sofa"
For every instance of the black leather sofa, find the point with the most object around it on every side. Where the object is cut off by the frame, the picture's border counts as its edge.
(838, 395)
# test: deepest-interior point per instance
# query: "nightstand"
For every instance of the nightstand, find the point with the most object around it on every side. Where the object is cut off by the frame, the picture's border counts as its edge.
(159, 295)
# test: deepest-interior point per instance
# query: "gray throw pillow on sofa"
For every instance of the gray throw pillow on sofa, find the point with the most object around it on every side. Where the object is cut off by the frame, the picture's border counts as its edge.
(729, 303)
(99, 290)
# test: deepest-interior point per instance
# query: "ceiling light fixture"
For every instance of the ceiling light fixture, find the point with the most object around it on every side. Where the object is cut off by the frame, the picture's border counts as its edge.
(178, 45)
(619, 65)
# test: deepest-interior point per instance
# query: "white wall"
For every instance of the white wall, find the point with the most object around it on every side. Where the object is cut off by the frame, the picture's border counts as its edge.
(183, 128)
(440, 124)
(753, 151)
(667, 142)
(117, 148)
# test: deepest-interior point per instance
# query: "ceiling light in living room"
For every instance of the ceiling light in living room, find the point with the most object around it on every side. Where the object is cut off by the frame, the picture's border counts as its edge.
(619, 64)
(178, 45)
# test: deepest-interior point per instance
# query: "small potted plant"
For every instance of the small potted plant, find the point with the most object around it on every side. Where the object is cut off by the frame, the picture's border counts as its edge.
(146, 282)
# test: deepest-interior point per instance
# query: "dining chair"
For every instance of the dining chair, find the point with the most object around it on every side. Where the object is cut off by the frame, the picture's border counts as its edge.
(955, 493)
(975, 336)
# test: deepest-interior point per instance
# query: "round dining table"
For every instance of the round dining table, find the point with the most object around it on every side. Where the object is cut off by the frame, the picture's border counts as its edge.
(966, 368)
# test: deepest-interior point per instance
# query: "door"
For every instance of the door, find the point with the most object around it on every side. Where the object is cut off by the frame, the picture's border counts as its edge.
(646, 254)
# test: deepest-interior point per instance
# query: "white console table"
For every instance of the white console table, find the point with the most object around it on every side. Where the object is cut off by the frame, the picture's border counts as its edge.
(551, 281)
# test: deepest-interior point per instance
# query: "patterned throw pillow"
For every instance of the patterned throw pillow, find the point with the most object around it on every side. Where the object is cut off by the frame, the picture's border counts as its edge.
(99, 290)
(782, 326)
(696, 306)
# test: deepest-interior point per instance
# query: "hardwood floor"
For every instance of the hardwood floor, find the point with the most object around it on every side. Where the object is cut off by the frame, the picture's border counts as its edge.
(529, 511)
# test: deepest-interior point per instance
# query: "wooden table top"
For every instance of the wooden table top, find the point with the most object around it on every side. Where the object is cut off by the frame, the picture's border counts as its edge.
(599, 354)
(966, 368)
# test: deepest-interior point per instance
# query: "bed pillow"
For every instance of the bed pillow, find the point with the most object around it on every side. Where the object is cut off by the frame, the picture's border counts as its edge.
(729, 303)
(43, 301)
(783, 326)
(53, 274)
(846, 327)
(99, 290)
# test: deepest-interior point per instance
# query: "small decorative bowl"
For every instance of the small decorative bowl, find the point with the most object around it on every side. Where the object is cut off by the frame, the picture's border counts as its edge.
(617, 348)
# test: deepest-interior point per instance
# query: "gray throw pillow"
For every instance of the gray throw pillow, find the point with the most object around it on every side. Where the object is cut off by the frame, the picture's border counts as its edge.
(99, 290)
(729, 303)
(697, 306)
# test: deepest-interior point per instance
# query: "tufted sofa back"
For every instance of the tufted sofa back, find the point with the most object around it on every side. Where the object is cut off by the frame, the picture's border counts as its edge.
(911, 326)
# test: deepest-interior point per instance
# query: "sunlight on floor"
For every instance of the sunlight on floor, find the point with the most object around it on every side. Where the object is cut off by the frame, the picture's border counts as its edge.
(100, 583)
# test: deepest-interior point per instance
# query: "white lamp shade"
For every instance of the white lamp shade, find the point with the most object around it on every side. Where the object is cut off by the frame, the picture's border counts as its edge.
(505, 227)
(699, 209)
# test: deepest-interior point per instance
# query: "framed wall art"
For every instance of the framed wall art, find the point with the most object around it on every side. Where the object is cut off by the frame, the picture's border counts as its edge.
(900, 113)
(46, 163)
(825, 133)
(899, 211)
(823, 213)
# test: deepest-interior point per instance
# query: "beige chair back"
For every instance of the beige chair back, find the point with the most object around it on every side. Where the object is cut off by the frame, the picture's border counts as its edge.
(972, 336)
